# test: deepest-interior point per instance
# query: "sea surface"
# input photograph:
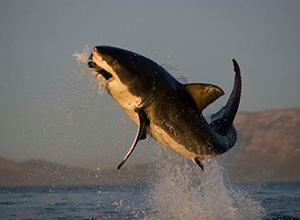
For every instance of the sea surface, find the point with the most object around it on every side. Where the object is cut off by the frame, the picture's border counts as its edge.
(278, 200)
(177, 191)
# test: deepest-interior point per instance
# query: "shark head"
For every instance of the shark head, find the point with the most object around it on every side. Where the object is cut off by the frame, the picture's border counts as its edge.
(119, 64)
(130, 77)
(112, 63)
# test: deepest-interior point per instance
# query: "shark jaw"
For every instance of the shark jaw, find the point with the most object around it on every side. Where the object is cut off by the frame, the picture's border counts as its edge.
(100, 67)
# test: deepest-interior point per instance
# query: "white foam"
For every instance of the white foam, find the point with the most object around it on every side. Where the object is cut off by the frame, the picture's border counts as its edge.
(182, 191)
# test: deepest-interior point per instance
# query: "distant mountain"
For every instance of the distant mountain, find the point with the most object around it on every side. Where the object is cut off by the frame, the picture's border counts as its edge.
(44, 173)
(268, 149)
(9, 166)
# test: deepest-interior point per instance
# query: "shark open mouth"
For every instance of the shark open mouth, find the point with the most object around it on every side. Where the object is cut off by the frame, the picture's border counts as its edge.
(98, 69)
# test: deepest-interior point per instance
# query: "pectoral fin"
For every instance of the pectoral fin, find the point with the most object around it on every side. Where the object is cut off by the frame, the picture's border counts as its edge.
(198, 162)
(140, 135)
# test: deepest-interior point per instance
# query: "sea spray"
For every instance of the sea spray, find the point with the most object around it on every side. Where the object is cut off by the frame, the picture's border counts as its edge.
(82, 60)
(182, 191)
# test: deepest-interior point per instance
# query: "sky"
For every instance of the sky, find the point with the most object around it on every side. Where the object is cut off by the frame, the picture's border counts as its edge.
(50, 109)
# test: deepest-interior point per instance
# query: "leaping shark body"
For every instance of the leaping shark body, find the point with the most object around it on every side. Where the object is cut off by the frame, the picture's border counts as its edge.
(167, 110)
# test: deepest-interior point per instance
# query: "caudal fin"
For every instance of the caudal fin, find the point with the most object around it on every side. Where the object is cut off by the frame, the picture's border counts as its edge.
(222, 121)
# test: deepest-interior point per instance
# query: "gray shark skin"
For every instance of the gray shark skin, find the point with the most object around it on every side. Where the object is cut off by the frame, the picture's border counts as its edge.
(167, 110)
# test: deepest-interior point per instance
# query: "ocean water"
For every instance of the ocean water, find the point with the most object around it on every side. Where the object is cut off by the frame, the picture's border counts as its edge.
(280, 201)
(179, 191)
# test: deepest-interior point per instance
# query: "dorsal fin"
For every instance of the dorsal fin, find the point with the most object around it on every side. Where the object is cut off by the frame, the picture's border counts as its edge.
(203, 94)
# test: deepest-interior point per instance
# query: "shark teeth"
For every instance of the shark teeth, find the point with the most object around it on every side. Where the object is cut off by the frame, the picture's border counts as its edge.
(103, 72)
(98, 69)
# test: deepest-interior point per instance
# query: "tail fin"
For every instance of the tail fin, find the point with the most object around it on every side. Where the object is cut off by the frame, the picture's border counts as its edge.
(222, 121)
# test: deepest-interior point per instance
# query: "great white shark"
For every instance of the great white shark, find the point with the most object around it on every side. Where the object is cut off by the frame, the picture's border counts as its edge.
(164, 108)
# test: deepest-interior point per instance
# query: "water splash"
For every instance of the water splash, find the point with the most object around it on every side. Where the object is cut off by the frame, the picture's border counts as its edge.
(182, 191)
(175, 73)
(82, 59)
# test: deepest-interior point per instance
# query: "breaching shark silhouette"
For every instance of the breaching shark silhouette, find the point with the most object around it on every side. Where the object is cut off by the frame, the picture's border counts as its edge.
(169, 111)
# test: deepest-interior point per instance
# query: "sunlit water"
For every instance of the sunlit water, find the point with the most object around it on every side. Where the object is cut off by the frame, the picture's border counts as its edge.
(179, 190)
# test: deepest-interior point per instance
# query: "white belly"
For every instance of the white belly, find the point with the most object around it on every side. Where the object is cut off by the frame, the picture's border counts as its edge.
(122, 95)
(167, 141)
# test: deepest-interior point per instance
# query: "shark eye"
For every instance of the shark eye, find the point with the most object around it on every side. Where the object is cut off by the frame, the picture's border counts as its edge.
(114, 62)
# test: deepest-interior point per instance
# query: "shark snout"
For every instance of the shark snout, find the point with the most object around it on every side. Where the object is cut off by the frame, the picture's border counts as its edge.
(104, 50)
(110, 54)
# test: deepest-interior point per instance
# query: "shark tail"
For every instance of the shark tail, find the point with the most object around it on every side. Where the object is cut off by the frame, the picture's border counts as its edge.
(222, 121)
